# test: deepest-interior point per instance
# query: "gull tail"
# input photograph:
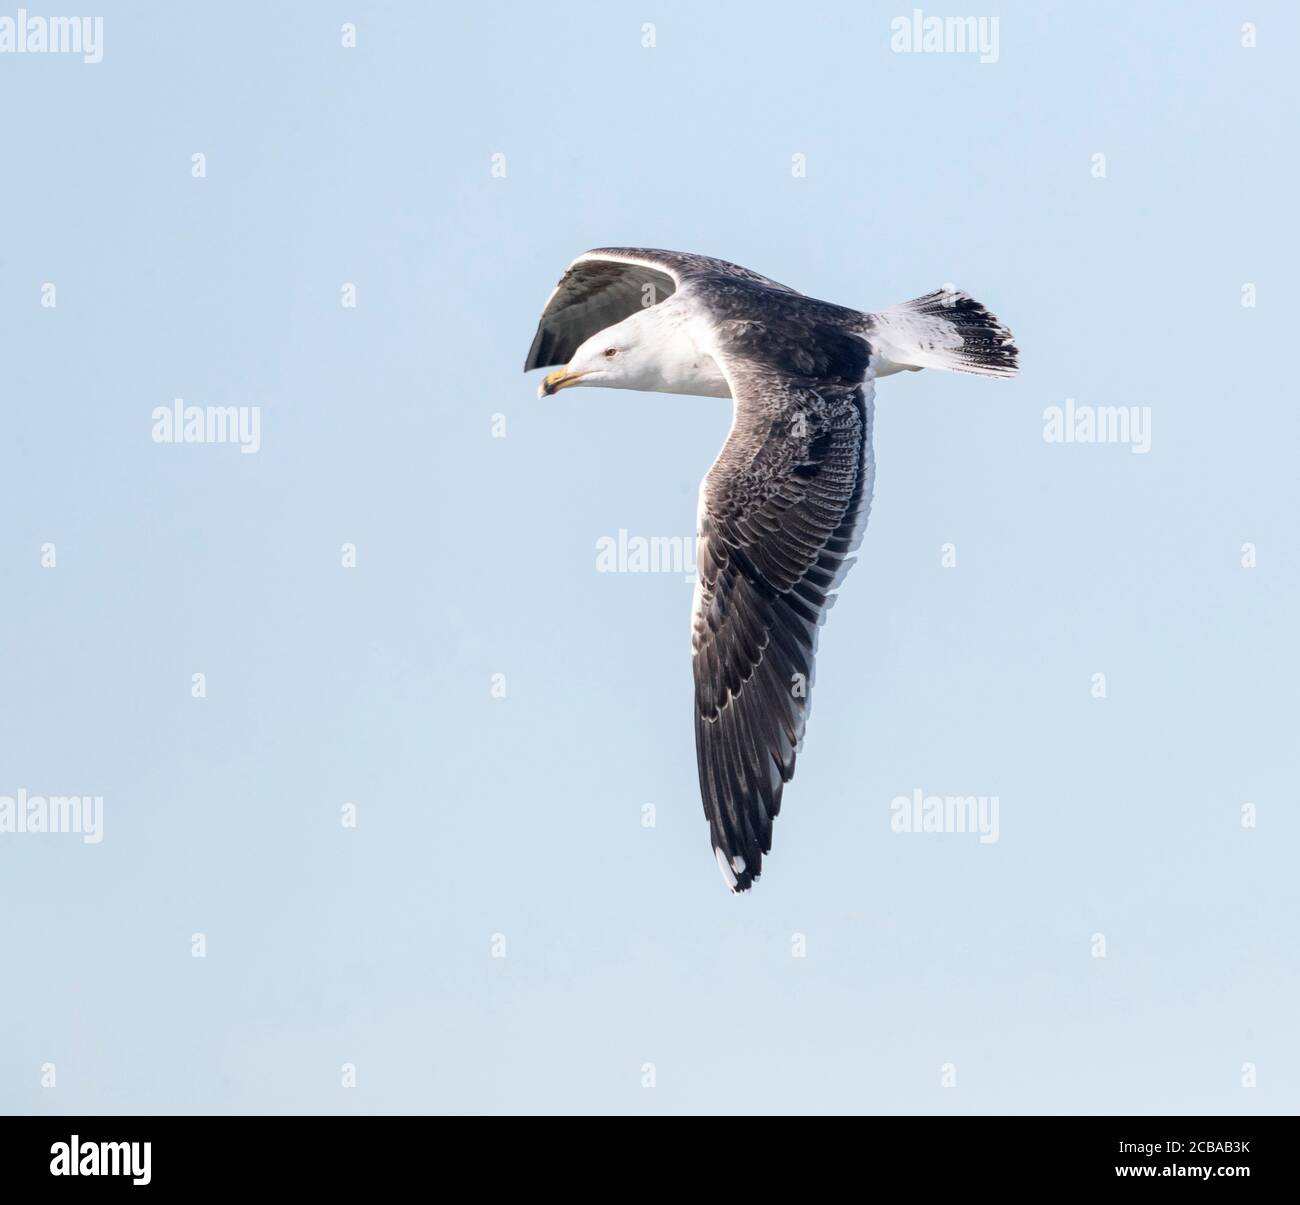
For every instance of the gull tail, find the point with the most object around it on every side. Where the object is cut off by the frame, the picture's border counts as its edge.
(944, 329)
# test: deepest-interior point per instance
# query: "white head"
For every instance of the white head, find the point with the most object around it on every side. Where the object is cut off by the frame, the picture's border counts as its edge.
(626, 355)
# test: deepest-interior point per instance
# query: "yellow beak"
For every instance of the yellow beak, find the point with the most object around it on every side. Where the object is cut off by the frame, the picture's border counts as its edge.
(556, 381)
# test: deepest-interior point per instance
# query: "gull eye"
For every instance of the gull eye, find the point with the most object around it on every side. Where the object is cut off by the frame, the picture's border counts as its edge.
(611, 352)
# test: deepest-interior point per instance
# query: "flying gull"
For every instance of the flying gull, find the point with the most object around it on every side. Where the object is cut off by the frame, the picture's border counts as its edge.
(786, 501)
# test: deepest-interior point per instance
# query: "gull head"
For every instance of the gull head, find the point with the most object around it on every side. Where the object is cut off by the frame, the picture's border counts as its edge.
(622, 356)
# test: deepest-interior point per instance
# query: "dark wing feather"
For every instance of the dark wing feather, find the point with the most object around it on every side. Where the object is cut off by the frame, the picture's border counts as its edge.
(606, 285)
(780, 512)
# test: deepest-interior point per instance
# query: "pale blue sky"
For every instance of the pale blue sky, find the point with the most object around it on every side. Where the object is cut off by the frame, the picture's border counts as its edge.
(476, 556)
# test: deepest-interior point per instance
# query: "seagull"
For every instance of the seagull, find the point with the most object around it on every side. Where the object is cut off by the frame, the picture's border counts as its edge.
(785, 504)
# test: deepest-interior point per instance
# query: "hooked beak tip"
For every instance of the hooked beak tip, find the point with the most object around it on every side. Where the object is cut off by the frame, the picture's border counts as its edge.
(556, 381)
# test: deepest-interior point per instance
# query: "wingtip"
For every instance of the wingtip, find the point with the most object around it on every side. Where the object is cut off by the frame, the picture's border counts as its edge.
(736, 875)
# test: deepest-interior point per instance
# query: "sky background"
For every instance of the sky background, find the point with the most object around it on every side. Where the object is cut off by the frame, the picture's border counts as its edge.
(476, 555)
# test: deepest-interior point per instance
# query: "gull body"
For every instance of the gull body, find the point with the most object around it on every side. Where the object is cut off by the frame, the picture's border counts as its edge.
(785, 503)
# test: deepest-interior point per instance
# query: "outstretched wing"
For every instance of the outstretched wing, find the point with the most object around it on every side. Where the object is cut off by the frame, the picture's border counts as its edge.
(606, 285)
(780, 511)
